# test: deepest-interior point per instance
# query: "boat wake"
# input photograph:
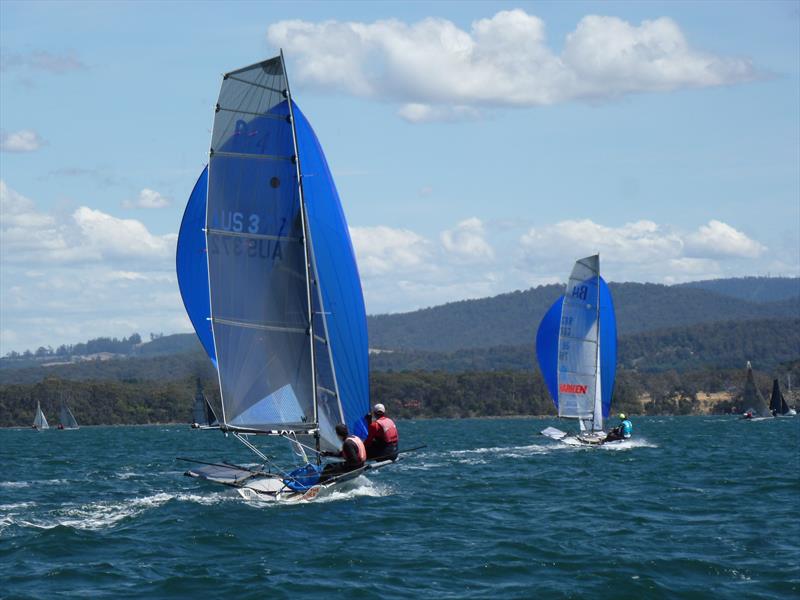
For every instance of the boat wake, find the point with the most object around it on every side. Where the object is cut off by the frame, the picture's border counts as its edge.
(359, 488)
(104, 515)
(474, 456)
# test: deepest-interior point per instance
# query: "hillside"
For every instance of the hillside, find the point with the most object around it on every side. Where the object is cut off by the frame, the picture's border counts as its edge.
(727, 345)
(753, 289)
(498, 333)
(512, 319)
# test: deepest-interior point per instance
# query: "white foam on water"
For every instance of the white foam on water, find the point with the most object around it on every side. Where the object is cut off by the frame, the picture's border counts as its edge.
(419, 466)
(628, 445)
(99, 515)
(207, 499)
(14, 484)
(17, 505)
(509, 451)
(128, 475)
(360, 487)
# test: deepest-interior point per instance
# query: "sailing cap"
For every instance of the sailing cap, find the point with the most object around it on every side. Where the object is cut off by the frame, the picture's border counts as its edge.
(379, 408)
(621, 415)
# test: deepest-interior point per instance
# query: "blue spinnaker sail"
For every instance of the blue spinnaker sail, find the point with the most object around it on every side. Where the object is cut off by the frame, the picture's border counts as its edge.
(338, 279)
(547, 345)
(608, 346)
(192, 266)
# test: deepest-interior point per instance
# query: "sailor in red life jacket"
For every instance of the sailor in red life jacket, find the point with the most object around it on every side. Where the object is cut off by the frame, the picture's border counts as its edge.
(382, 435)
(353, 453)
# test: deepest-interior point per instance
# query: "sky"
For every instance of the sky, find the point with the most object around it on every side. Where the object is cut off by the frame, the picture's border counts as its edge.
(478, 147)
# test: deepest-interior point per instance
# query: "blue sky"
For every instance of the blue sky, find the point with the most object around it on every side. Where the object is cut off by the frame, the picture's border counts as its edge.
(478, 147)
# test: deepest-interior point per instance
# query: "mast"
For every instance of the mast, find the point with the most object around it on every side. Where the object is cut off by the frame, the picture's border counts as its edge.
(597, 381)
(306, 240)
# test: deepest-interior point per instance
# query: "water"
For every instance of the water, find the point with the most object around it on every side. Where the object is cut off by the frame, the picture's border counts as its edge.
(694, 507)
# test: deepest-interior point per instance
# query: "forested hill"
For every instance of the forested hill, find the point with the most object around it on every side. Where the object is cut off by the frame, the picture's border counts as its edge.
(728, 345)
(511, 319)
(754, 289)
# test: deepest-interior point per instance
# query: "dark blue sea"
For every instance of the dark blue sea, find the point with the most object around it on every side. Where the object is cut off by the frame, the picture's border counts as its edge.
(695, 507)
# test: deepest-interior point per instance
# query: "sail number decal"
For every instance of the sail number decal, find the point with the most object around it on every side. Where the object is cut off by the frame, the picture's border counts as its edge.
(580, 292)
(573, 388)
(239, 222)
(235, 221)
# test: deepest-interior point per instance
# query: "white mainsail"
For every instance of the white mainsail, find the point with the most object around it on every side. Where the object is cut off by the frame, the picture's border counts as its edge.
(66, 417)
(579, 380)
(39, 421)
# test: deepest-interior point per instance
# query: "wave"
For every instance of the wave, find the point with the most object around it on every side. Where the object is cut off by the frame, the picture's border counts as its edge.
(509, 451)
(359, 488)
(105, 515)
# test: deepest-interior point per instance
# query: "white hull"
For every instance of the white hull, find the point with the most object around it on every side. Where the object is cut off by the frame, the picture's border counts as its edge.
(274, 490)
(270, 487)
(582, 439)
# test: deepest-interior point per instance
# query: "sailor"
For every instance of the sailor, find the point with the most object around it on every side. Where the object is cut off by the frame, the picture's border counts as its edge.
(623, 431)
(382, 435)
(353, 453)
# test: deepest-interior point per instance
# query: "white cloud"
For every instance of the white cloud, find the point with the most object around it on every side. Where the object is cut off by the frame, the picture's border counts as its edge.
(424, 113)
(121, 238)
(41, 60)
(637, 242)
(381, 250)
(66, 278)
(24, 140)
(468, 241)
(642, 250)
(720, 239)
(147, 199)
(28, 235)
(441, 72)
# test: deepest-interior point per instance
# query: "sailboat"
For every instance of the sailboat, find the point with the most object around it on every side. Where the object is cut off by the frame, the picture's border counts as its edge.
(777, 403)
(40, 421)
(268, 276)
(66, 418)
(203, 415)
(753, 402)
(576, 346)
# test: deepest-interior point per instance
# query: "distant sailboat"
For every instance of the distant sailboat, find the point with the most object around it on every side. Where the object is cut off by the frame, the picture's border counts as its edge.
(777, 403)
(203, 416)
(753, 402)
(268, 277)
(39, 421)
(66, 418)
(576, 345)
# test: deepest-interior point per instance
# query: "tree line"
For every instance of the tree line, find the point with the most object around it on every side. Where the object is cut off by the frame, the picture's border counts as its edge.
(409, 394)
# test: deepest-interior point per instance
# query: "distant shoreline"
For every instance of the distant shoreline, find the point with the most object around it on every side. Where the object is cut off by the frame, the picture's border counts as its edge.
(402, 420)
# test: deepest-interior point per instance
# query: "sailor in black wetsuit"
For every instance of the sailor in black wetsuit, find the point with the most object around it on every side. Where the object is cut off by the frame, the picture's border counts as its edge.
(353, 452)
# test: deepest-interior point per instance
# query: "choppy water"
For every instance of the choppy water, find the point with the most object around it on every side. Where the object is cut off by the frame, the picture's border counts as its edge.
(693, 508)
